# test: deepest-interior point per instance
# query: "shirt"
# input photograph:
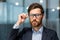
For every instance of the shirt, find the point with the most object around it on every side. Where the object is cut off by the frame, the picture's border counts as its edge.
(37, 35)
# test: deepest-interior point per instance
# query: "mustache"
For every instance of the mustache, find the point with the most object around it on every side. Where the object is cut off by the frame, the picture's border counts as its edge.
(34, 21)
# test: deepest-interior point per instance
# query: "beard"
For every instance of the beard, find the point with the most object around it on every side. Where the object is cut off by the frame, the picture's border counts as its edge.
(35, 23)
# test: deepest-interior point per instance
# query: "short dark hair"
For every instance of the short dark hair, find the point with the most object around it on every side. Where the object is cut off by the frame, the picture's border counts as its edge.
(35, 5)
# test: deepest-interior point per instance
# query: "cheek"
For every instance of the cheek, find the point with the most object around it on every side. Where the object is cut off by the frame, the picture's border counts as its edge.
(39, 19)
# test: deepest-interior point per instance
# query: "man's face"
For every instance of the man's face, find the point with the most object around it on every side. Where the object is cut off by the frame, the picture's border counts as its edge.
(36, 17)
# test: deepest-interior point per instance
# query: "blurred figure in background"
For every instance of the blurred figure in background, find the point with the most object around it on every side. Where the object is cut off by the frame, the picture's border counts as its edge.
(37, 31)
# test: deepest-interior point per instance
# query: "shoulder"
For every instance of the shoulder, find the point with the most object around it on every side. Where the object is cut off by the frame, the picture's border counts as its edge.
(50, 31)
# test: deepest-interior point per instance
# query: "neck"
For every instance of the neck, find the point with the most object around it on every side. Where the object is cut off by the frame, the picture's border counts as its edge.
(37, 28)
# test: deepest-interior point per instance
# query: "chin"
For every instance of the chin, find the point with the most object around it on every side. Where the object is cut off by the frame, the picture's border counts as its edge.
(35, 25)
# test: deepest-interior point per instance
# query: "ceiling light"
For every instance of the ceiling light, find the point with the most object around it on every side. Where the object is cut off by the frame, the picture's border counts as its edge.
(53, 10)
(17, 3)
(27, 7)
(41, 1)
(58, 8)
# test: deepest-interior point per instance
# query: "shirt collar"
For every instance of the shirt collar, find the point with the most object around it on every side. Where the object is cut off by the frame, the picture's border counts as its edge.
(39, 31)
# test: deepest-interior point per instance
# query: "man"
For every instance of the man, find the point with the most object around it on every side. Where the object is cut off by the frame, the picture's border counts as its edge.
(37, 31)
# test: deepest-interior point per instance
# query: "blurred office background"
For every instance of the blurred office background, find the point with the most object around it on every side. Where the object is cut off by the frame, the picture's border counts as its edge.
(9, 10)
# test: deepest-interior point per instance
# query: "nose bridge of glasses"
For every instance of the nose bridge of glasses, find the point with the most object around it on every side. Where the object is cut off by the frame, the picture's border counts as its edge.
(34, 14)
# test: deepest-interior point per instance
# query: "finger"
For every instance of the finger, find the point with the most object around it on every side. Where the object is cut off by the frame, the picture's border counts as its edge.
(23, 15)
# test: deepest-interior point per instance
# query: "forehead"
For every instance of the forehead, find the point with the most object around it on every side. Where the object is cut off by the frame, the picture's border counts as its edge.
(36, 10)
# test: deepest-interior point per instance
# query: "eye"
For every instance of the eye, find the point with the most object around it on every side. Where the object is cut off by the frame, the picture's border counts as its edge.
(35, 14)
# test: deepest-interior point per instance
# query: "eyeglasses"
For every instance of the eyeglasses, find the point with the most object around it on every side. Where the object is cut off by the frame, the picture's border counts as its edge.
(36, 15)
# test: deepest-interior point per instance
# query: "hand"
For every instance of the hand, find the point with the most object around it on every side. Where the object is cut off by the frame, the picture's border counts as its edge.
(21, 18)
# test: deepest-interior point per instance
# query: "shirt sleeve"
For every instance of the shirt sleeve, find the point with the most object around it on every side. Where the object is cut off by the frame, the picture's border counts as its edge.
(16, 26)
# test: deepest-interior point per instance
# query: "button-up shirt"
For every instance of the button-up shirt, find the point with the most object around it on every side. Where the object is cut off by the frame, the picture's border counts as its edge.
(37, 35)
